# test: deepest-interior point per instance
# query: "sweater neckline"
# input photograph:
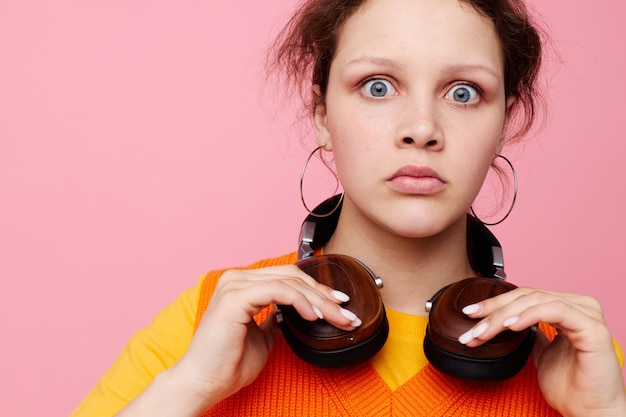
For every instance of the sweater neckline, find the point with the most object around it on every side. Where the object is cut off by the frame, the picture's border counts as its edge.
(427, 387)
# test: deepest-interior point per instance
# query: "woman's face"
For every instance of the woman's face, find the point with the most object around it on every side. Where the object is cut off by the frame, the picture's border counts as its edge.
(414, 112)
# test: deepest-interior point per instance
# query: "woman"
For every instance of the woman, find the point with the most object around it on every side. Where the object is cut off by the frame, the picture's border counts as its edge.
(415, 99)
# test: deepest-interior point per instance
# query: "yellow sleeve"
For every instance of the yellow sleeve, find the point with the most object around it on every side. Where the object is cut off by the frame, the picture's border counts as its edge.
(149, 351)
(620, 353)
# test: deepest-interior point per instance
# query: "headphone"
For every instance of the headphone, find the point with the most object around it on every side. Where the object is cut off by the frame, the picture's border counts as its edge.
(325, 345)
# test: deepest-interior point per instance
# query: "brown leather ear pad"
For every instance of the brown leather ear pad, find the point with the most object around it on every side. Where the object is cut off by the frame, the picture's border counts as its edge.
(501, 357)
(323, 344)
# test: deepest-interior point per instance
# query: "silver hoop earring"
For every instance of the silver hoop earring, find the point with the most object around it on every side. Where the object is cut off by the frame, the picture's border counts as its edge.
(306, 164)
(514, 195)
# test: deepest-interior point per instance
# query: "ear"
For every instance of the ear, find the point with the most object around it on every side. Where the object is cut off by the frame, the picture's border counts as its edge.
(510, 104)
(321, 121)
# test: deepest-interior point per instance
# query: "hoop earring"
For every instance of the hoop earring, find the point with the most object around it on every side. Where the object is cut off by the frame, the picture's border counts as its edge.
(514, 195)
(306, 164)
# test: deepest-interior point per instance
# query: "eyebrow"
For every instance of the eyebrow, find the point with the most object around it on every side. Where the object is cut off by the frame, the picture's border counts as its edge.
(367, 59)
(454, 68)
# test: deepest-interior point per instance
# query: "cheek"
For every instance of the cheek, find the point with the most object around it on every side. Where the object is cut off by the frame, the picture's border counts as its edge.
(352, 132)
(473, 169)
(356, 152)
(483, 136)
(360, 127)
(477, 148)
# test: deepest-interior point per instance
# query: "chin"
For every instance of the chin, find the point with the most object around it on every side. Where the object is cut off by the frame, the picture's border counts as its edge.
(417, 229)
(413, 218)
(423, 226)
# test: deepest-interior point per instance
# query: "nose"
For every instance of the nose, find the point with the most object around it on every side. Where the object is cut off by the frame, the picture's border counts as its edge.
(420, 127)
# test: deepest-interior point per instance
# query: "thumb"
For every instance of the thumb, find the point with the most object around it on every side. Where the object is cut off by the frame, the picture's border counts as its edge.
(541, 343)
(271, 330)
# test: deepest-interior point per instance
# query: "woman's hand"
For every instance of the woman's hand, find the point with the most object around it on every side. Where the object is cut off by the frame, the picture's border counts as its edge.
(578, 371)
(229, 349)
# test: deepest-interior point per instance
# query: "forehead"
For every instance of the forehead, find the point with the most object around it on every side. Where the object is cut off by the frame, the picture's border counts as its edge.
(419, 31)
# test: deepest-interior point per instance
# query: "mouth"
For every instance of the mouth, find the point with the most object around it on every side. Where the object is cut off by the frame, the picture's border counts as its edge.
(416, 172)
(416, 180)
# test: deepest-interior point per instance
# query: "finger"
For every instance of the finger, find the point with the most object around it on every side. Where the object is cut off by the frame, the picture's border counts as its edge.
(293, 272)
(586, 332)
(541, 343)
(270, 328)
(523, 297)
(252, 296)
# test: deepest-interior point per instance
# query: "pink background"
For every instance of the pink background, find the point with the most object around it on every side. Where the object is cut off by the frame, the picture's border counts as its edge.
(139, 149)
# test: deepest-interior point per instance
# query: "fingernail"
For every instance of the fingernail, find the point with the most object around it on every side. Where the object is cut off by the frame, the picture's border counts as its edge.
(477, 331)
(318, 313)
(466, 337)
(349, 315)
(510, 321)
(356, 322)
(340, 296)
(472, 334)
(471, 309)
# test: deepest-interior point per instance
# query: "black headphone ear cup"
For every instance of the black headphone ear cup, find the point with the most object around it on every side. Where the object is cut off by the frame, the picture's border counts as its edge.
(500, 358)
(323, 344)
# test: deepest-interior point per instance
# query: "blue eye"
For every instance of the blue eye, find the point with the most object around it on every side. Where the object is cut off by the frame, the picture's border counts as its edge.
(378, 88)
(463, 93)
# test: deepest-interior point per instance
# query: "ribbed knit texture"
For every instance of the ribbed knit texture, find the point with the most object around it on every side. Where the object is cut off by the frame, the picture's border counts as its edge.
(287, 386)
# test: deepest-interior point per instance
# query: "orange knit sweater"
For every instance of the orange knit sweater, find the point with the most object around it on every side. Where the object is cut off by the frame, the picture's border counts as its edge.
(287, 386)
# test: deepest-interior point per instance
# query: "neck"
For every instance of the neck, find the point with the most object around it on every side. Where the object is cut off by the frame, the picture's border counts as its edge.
(412, 269)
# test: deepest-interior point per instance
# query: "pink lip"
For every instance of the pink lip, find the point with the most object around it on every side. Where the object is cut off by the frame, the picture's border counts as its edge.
(416, 180)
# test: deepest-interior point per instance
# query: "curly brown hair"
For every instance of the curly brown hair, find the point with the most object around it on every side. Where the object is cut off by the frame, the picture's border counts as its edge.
(303, 51)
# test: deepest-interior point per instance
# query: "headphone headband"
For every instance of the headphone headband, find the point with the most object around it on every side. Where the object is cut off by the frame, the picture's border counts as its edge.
(316, 231)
